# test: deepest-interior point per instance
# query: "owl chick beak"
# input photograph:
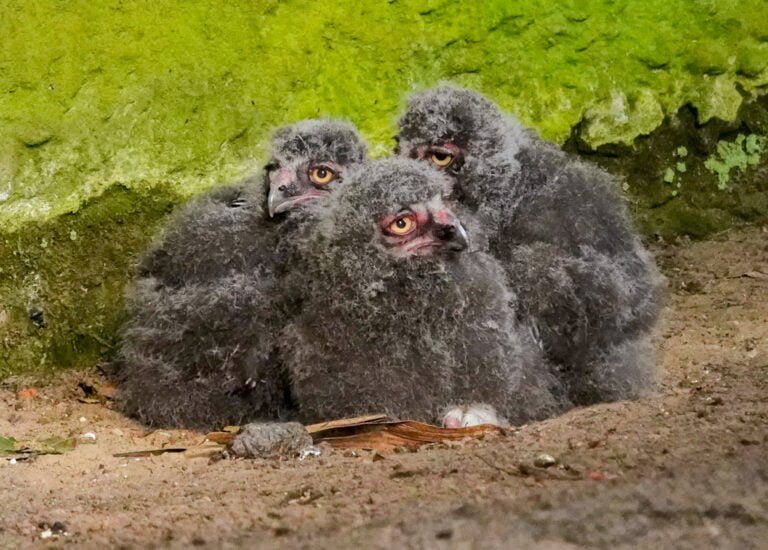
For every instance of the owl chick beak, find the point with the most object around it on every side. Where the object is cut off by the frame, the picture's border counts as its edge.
(453, 236)
(285, 195)
(449, 231)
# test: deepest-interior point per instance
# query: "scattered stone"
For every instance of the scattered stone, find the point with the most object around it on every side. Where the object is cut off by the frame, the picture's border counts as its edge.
(544, 460)
(303, 495)
(55, 529)
(271, 440)
(310, 452)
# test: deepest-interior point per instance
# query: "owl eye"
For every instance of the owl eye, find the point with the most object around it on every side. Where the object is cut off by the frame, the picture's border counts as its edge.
(402, 225)
(441, 158)
(322, 175)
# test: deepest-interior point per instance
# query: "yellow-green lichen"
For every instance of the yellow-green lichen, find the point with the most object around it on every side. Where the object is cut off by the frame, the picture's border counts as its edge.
(738, 154)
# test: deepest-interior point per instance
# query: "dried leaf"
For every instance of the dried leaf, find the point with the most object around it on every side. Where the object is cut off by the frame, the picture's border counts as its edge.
(8, 446)
(107, 390)
(51, 446)
(386, 436)
(150, 452)
(55, 446)
(347, 422)
(26, 393)
(376, 432)
(222, 438)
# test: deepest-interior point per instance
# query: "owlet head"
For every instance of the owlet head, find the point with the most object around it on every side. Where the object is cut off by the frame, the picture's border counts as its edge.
(451, 127)
(406, 203)
(309, 159)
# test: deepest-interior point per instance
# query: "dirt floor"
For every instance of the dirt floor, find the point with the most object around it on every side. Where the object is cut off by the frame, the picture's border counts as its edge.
(687, 468)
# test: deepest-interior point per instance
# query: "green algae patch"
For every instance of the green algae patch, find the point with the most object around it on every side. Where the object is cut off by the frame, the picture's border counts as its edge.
(692, 179)
(739, 154)
(62, 283)
(183, 94)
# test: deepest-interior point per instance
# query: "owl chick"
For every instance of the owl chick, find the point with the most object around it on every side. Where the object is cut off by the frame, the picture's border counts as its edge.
(585, 283)
(235, 228)
(199, 348)
(398, 315)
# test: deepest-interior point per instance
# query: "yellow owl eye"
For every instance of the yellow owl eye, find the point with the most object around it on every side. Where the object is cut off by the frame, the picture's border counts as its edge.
(321, 175)
(402, 226)
(441, 159)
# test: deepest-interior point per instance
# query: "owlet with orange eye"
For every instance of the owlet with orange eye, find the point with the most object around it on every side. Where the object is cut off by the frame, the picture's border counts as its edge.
(307, 164)
(560, 230)
(424, 229)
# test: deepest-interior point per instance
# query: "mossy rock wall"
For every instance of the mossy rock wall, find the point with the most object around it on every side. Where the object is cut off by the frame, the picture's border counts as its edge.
(111, 112)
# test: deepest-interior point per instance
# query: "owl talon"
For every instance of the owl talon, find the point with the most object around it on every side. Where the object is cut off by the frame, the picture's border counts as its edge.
(473, 415)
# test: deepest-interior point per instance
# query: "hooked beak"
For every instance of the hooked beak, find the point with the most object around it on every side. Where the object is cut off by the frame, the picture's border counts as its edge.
(453, 235)
(283, 194)
(279, 202)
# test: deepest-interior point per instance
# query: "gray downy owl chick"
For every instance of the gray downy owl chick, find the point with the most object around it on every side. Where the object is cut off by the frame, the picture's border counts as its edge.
(198, 349)
(398, 315)
(585, 283)
(235, 228)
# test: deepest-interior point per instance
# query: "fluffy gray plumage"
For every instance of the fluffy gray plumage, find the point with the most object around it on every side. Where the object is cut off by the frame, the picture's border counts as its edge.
(200, 347)
(229, 230)
(405, 331)
(561, 232)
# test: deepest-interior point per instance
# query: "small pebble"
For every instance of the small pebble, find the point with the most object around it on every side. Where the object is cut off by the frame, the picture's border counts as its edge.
(544, 461)
(83, 419)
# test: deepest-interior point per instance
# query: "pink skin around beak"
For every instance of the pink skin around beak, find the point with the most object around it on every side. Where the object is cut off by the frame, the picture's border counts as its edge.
(282, 195)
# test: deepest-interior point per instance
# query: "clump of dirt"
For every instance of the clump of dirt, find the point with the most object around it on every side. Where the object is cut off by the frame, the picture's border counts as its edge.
(685, 468)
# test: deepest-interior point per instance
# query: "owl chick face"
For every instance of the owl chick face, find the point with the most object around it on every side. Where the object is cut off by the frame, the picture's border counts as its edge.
(422, 229)
(308, 160)
(399, 205)
(456, 131)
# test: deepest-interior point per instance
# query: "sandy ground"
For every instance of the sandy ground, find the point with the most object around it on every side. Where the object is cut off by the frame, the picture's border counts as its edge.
(687, 468)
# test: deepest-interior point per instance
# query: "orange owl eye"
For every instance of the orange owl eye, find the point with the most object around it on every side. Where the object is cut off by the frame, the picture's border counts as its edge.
(441, 159)
(321, 175)
(402, 225)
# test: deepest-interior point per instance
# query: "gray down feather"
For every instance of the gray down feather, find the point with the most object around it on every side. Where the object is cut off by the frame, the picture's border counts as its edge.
(404, 336)
(199, 349)
(584, 281)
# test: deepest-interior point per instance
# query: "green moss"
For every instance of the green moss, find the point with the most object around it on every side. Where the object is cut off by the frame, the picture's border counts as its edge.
(183, 93)
(62, 282)
(738, 154)
(669, 178)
